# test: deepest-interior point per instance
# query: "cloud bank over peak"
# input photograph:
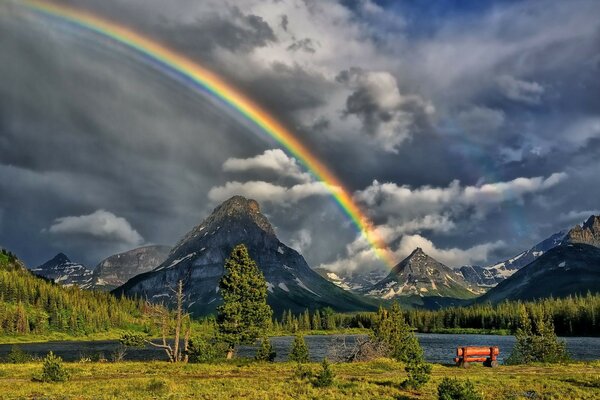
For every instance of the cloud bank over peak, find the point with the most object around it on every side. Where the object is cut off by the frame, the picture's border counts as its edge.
(100, 224)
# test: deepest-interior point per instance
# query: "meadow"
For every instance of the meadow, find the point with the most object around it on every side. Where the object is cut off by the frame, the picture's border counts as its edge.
(379, 379)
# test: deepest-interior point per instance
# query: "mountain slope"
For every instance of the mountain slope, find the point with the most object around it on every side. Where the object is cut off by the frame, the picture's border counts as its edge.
(199, 257)
(32, 304)
(421, 275)
(572, 268)
(353, 281)
(491, 275)
(117, 269)
(63, 271)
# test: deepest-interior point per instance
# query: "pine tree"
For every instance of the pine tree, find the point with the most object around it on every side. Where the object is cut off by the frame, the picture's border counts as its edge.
(299, 350)
(244, 314)
(265, 351)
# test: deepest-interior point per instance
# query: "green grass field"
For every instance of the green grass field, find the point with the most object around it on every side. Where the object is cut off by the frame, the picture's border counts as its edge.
(245, 380)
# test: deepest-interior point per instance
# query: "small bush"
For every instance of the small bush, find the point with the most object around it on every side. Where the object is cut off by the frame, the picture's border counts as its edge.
(17, 356)
(454, 389)
(419, 373)
(303, 372)
(133, 339)
(325, 377)
(265, 351)
(201, 350)
(53, 369)
(299, 350)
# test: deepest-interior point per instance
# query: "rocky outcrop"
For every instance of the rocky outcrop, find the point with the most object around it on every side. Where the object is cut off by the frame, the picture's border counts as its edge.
(588, 233)
(115, 270)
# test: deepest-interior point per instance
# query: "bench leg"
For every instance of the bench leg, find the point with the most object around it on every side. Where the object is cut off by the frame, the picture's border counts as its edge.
(490, 363)
(463, 364)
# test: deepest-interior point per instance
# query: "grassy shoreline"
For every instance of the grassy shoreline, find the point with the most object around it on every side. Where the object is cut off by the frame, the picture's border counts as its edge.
(378, 379)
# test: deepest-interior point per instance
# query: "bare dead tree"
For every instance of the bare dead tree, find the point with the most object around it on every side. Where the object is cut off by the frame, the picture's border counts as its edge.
(178, 322)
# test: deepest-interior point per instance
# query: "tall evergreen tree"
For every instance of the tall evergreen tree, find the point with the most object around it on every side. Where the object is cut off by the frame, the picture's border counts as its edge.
(244, 314)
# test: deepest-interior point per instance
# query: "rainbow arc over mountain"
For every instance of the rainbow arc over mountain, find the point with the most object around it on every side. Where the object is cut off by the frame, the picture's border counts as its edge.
(205, 81)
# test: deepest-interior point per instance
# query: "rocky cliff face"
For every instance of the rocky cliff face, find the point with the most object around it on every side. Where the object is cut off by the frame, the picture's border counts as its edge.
(63, 271)
(115, 270)
(589, 233)
(198, 259)
(420, 275)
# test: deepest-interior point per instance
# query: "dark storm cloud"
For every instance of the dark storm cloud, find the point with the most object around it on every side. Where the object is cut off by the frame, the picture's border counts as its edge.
(485, 96)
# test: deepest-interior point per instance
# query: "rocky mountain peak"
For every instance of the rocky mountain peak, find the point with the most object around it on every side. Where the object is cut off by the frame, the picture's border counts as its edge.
(588, 233)
(198, 260)
(60, 258)
(421, 275)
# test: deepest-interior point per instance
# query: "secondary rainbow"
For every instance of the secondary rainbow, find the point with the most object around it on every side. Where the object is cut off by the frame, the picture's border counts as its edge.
(216, 86)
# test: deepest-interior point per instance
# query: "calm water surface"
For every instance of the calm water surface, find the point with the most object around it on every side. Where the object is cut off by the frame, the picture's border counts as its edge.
(439, 348)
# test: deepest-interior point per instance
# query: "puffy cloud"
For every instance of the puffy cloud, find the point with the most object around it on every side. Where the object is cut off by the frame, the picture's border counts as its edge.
(100, 224)
(453, 257)
(390, 199)
(268, 192)
(385, 113)
(274, 160)
(520, 90)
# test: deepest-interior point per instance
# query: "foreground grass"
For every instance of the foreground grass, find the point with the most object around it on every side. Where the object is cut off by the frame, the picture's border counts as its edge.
(242, 379)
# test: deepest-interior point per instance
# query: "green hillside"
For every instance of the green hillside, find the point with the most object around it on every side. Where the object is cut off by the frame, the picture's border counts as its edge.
(32, 305)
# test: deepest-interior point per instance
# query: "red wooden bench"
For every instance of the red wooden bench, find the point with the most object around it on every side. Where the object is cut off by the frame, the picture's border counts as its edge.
(468, 354)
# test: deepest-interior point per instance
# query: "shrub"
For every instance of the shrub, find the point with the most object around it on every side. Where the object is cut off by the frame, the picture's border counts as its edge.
(265, 351)
(133, 339)
(537, 342)
(201, 350)
(454, 389)
(17, 356)
(418, 372)
(299, 350)
(303, 372)
(325, 377)
(53, 369)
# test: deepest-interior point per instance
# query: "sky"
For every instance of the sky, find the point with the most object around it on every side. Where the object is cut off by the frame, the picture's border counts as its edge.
(470, 129)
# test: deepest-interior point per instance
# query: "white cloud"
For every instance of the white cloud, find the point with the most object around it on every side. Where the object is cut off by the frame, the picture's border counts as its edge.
(520, 90)
(274, 160)
(453, 257)
(268, 192)
(360, 255)
(390, 199)
(100, 224)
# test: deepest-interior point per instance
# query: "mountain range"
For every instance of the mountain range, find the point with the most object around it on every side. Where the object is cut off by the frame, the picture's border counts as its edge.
(109, 274)
(565, 263)
(198, 260)
(572, 267)
(492, 275)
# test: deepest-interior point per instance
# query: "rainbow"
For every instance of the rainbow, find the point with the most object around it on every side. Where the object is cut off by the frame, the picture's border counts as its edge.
(208, 81)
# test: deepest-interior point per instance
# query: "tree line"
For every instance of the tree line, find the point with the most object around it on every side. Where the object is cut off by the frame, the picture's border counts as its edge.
(571, 316)
(29, 304)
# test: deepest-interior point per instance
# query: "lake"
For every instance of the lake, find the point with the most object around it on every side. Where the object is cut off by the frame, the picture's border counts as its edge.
(439, 348)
